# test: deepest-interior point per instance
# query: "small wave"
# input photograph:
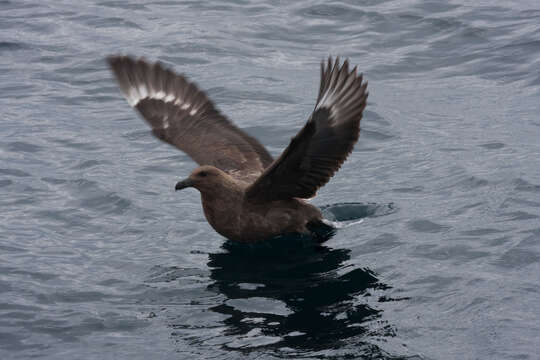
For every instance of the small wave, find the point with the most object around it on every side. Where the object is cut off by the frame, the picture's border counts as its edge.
(345, 212)
(343, 215)
(341, 224)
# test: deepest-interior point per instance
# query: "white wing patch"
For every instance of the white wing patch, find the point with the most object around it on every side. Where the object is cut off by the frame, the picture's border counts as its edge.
(141, 92)
(329, 101)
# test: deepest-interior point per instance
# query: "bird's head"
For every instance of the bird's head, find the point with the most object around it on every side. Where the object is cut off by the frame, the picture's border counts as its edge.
(205, 178)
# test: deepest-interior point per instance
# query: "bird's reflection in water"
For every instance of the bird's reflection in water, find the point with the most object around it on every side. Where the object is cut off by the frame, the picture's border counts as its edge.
(293, 293)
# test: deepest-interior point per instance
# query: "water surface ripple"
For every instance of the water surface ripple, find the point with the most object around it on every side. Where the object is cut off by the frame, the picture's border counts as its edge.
(99, 258)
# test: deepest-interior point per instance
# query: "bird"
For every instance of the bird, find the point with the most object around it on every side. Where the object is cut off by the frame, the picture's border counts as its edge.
(247, 195)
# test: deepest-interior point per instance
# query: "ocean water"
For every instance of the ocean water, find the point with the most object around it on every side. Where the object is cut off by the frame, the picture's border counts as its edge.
(437, 257)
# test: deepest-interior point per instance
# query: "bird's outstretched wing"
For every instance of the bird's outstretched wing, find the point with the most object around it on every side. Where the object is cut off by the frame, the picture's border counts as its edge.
(323, 144)
(182, 115)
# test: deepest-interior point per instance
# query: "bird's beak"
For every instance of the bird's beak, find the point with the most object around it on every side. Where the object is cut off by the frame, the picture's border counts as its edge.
(183, 184)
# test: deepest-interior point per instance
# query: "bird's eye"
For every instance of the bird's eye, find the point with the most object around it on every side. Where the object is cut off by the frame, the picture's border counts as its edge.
(203, 174)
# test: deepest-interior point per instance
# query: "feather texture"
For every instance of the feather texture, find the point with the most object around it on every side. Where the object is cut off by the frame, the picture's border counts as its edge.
(323, 144)
(182, 115)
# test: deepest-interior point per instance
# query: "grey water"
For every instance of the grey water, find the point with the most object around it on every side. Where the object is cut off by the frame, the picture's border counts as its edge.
(438, 255)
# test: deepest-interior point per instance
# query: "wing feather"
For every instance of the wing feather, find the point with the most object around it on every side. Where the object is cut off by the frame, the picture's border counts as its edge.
(183, 116)
(323, 144)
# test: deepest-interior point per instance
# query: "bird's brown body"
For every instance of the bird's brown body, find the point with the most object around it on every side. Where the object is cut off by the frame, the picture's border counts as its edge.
(245, 193)
(247, 221)
(235, 216)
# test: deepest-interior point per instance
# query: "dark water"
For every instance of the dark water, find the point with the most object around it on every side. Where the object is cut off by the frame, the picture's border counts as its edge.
(101, 259)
